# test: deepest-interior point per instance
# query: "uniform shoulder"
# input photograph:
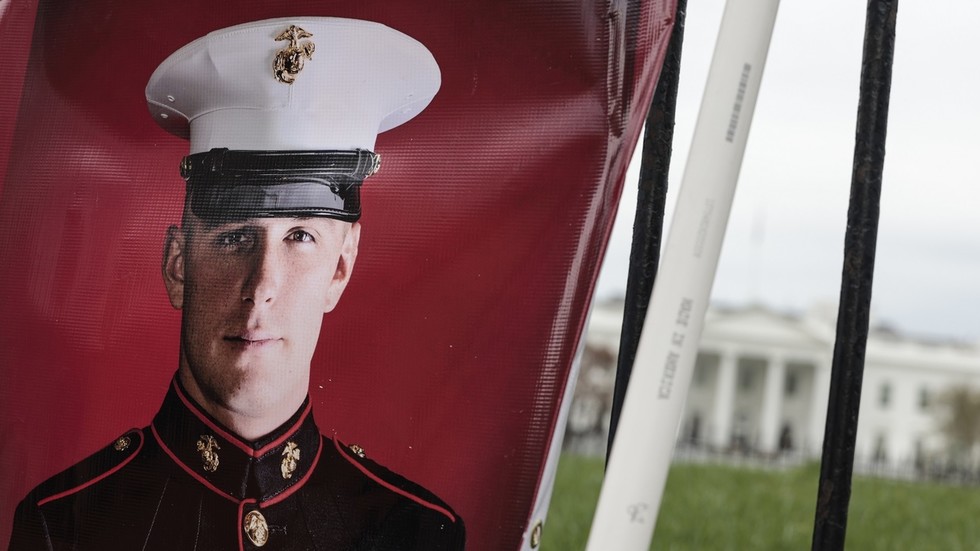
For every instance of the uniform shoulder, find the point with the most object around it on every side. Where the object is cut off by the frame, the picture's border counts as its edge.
(90, 470)
(391, 480)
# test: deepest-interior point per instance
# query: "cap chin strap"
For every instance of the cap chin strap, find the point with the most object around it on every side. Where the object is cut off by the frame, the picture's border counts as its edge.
(355, 163)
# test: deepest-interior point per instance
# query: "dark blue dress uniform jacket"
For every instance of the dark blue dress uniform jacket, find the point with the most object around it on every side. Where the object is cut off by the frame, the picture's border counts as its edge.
(185, 482)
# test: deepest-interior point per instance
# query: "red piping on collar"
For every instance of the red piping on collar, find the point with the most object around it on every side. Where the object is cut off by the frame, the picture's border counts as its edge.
(188, 470)
(299, 484)
(288, 492)
(287, 435)
(193, 408)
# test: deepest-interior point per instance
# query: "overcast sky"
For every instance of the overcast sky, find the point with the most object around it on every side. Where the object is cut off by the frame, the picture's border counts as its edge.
(784, 243)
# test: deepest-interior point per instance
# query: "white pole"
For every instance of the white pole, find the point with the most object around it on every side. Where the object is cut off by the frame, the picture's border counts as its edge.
(637, 471)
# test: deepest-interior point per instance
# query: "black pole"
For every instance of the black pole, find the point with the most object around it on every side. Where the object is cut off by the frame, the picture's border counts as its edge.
(847, 371)
(649, 221)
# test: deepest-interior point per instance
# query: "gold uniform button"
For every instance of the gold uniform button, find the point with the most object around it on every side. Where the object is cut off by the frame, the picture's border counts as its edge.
(256, 528)
(122, 443)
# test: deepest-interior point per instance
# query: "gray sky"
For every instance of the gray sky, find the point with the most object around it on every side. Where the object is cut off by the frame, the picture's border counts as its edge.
(784, 243)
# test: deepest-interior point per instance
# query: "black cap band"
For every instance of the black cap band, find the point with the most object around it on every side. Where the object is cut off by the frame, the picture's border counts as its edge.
(233, 185)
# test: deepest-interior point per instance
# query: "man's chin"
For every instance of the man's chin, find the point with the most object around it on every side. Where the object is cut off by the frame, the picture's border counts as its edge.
(246, 385)
(257, 398)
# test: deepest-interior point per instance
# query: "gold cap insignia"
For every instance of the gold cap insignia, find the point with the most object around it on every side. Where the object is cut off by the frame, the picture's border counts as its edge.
(289, 60)
(256, 528)
(208, 447)
(290, 458)
(121, 444)
(375, 165)
(358, 451)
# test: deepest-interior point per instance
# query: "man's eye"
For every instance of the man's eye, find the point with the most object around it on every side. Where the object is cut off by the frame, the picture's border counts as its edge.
(234, 239)
(303, 236)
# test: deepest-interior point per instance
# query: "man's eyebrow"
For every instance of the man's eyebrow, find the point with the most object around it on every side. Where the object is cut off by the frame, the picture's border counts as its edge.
(248, 223)
(226, 226)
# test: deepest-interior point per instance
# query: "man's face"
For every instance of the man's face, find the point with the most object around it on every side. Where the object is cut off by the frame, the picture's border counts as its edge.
(253, 295)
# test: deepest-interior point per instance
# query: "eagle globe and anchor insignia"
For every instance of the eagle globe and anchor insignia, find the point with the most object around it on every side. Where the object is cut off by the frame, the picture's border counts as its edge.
(208, 447)
(289, 61)
(290, 459)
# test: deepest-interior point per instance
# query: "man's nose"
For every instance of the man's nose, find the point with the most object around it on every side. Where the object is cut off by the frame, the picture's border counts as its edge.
(264, 275)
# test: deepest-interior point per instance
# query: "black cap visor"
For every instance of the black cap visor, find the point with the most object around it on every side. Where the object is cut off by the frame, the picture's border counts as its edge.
(225, 185)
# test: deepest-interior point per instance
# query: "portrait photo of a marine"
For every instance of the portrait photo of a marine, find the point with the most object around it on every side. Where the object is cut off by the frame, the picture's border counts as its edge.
(265, 247)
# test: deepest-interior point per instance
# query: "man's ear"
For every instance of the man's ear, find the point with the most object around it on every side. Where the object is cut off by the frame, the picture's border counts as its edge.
(345, 265)
(173, 266)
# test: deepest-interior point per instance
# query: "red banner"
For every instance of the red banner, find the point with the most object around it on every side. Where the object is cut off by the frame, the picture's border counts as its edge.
(447, 357)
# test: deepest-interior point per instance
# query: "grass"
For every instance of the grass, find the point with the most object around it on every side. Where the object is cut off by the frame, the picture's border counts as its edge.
(713, 507)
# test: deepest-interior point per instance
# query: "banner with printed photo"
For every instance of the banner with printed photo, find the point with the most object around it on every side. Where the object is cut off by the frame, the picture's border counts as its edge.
(447, 358)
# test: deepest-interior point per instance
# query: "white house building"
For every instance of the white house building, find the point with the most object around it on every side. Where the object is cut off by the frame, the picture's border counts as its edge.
(761, 384)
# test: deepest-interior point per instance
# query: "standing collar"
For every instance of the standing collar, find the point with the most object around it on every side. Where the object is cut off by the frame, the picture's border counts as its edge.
(267, 469)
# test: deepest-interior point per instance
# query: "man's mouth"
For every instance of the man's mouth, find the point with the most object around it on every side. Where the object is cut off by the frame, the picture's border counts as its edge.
(251, 340)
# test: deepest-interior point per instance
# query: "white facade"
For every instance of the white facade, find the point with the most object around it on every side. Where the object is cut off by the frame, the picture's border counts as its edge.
(762, 380)
(760, 383)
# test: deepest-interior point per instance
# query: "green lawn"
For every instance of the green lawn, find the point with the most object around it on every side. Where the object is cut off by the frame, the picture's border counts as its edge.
(711, 507)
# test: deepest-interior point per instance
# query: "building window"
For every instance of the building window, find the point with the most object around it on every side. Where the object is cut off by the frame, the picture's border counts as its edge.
(885, 395)
(694, 429)
(700, 377)
(881, 450)
(746, 378)
(705, 367)
(924, 398)
(786, 438)
(792, 381)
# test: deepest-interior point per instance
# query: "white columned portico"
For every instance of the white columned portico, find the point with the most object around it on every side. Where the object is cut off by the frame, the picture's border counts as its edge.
(772, 404)
(724, 399)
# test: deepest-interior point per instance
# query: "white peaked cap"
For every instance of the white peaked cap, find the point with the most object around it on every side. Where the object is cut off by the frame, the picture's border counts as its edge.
(362, 78)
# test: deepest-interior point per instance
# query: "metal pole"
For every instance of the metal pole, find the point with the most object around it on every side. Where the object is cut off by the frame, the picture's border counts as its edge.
(855, 298)
(649, 220)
